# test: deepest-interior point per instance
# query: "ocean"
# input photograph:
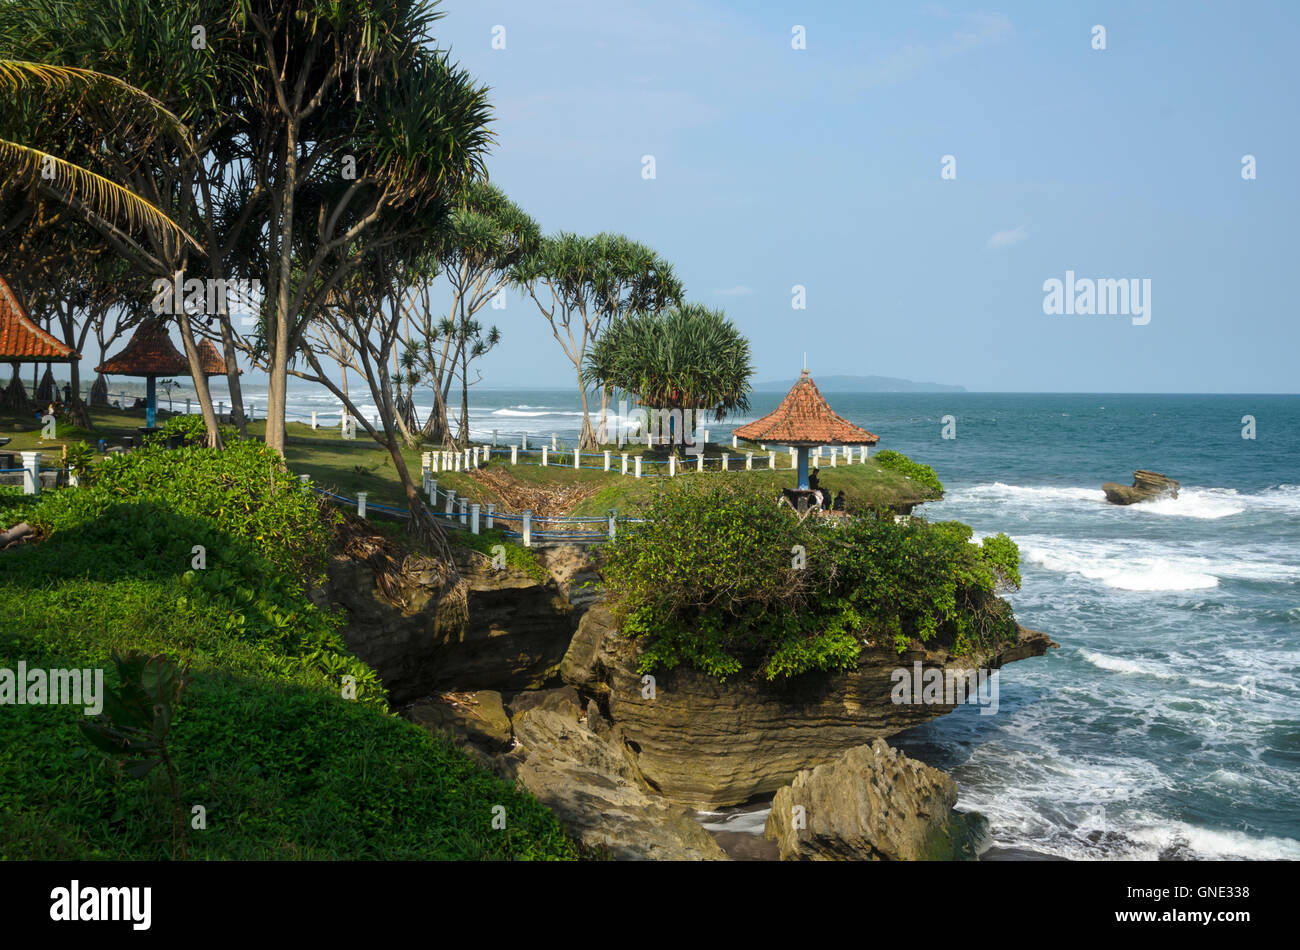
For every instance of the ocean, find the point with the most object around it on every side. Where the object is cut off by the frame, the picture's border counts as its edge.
(1168, 723)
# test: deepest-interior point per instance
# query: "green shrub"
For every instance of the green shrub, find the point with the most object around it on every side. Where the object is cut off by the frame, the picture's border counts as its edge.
(720, 578)
(284, 765)
(900, 463)
(192, 429)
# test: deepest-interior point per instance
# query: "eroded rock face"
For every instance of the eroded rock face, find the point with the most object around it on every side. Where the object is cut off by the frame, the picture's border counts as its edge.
(595, 793)
(1147, 486)
(871, 804)
(516, 633)
(569, 760)
(708, 744)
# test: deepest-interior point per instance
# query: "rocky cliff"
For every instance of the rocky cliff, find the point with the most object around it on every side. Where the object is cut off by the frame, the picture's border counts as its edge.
(708, 744)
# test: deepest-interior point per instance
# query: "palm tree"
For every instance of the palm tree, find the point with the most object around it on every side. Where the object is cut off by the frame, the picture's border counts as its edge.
(685, 358)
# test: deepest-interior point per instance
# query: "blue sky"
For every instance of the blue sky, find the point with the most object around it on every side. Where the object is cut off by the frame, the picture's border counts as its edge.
(821, 167)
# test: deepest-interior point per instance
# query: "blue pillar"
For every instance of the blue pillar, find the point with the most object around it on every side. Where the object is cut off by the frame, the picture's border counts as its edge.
(151, 403)
(803, 467)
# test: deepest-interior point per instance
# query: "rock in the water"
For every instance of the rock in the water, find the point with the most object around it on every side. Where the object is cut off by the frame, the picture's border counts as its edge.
(1147, 486)
(708, 744)
(872, 804)
(589, 785)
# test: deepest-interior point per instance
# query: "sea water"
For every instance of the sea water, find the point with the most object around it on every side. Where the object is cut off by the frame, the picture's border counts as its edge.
(1168, 723)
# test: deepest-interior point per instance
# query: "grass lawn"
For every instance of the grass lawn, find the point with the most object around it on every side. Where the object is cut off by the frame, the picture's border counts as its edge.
(348, 466)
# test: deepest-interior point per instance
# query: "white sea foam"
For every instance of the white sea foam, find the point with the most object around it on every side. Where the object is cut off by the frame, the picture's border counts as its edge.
(1109, 563)
(1196, 503)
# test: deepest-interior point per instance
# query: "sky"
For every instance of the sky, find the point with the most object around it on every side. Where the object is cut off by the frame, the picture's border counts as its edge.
(824, 167)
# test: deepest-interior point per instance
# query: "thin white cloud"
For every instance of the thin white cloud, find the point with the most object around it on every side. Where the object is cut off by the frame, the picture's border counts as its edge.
(1001, 239)
(739, 290)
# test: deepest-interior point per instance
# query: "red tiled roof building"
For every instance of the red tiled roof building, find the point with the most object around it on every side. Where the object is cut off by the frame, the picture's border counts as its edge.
(149, 353)
(802, 420)
(23, 341)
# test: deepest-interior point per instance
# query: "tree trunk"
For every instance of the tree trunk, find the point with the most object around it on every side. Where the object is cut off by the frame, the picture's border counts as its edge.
(277, 384)
(232, 376)
(200, 380)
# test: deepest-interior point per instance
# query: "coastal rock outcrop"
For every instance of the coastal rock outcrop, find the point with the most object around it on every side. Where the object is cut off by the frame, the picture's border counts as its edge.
(708, 744)
(872, 804)
(1147, 486)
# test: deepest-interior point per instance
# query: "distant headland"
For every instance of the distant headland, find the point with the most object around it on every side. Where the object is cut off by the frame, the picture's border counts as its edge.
(864, 384)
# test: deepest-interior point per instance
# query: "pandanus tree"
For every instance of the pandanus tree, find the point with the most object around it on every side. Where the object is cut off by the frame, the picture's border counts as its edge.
(486, 238)
(355, 115)
(580, 284)
(686, 357)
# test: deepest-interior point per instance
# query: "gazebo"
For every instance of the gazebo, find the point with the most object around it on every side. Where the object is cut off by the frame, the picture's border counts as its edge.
(804, 420)
(23, 341)
(149, 353)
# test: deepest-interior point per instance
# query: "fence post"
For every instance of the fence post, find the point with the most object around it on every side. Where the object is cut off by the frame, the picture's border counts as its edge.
(733, 441)
(491, 515)
(425, 465)
(473, 519)
(623, 463)
(464, 511)
(724, 462)
(672, 466)
(749, 461)
(523, 441)
(528, 527)
(306, 482)
(187, 407)
(699, 459)
(771, 460)
(638, 466)
(834, 453)
(494, 438)
(544, 451)
(31, 473)
(864, 455)
(613, 517)
(361, 504)
(313, 415)
(451, 501)
(514, 455)
(554, 446)
(607, 460)
(433, 492)
(577, 457)
(794, 458)
(221, 410)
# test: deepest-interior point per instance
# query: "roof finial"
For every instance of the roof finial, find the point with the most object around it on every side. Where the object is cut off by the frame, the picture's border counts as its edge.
(805, 360)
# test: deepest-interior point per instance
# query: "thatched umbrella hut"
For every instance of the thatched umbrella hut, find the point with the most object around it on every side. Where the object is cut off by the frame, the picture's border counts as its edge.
(804, 420)
(23, 341)
(149, 353)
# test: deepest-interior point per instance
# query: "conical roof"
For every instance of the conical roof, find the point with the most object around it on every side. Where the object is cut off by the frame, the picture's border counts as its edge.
(22, 340)
(805, 418)
(213, 363)
(150, 352)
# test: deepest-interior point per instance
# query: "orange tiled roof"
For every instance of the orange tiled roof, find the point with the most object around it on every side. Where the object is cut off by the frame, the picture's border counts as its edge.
(21, 340)
(149, 353)
(805, 417)
(213, 363)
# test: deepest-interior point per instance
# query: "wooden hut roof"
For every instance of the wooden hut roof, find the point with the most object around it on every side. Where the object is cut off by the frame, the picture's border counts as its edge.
(149, 352)
(805, 418)
(213, 363)
(22, 340)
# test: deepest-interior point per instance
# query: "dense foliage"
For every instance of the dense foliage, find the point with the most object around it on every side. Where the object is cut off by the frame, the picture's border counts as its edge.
(285, 766)
(898, 462)
(720, 578)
